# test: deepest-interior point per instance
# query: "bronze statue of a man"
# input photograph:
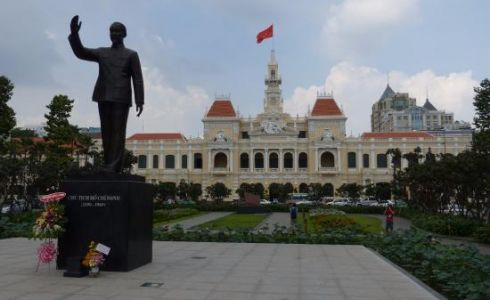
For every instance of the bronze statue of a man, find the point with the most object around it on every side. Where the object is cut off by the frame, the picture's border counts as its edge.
(117, 66)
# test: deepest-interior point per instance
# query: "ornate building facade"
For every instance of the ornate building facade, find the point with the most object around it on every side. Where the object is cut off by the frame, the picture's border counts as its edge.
(275, 147)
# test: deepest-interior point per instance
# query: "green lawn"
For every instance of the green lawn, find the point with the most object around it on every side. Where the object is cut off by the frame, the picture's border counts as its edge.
(164, 217)
(368, 224)
(236, 221)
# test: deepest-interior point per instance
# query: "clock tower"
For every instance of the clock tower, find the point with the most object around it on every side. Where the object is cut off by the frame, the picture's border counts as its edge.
(273, 100)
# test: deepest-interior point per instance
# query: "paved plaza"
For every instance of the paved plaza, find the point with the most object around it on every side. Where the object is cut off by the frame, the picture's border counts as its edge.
(190, 270)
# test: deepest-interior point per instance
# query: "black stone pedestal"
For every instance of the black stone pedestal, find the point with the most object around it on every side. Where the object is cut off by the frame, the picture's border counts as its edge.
(115, 210)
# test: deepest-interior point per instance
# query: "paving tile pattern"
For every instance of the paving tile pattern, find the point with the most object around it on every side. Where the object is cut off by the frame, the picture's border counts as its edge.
(228, 271)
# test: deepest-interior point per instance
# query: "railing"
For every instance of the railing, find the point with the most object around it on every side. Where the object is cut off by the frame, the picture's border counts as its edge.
(244, 170)
(259, 170)
(329, 169)
(288, 170)
(274, 169)
(303, 170)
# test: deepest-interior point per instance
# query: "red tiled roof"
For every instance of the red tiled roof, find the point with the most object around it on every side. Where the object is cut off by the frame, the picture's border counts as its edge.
(156, 136)
(221, 108)
(396, 135)
(325, 107)
(38, 139)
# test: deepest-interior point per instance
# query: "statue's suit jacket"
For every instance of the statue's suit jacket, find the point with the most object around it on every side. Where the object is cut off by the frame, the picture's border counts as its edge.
(116, 67)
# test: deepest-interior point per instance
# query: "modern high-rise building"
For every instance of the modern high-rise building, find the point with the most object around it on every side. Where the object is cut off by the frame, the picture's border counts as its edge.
(398, 112)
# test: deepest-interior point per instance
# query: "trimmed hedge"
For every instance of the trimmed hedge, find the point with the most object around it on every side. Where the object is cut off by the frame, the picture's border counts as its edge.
(280, 207)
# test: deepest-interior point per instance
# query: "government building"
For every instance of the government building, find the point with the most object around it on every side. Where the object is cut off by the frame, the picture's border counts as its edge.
(275, 147)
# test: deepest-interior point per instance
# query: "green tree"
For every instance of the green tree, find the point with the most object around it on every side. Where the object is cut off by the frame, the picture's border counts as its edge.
(7, 114)
(183, 189)
(166, 190)
(22, 133)
(288, 188)
(315, 191)
(275, 190)
(218, 191)
(350, 190)
(195, 191)
(481, 142)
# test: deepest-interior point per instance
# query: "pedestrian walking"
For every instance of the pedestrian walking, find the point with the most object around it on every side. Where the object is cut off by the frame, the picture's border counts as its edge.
(389, 213)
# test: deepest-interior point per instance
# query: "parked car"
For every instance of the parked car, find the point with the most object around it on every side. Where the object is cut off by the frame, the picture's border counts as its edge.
(186, 202)
(367, 202)
(16, 205)
(304, 202)
(340, 202)
(264, 202)
(383, 203)
(401, 204)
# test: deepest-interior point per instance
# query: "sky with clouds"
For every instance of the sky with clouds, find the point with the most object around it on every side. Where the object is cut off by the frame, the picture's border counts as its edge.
(193, 50)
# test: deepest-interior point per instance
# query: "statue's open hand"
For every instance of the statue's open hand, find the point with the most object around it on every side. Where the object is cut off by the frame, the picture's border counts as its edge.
(75, 25)
(139, 109)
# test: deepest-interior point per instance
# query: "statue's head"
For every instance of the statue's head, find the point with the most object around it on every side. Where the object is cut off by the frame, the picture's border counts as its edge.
(118, 32)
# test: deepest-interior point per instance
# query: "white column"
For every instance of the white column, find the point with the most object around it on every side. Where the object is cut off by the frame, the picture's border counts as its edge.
(209, 159)
(281, 160)
(295, 162)
(190, 160)
(359, 160)
(266, 160)
(178, 159)
(373, 160)
(339, 160)
(316, 160)
(231, 160)
(251, 160)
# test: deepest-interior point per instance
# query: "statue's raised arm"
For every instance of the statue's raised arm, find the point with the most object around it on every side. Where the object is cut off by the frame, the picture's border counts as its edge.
(76, 44)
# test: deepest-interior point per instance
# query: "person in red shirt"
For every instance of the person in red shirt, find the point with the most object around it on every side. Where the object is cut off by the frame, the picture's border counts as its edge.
(389, 213)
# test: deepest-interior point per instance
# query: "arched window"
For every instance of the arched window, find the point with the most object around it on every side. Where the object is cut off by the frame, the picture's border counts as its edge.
(273, 160)
(381, 161)
(303, 188)
(328, 189)
(288, 160)
(365, 160)
(244, 161)
(351, 160)
(169, 162)
(141, 161)
(197, 161)
(155, 161)
(327, 160)
(259, 161)
(184, 162)
(303, 160)
(220, 160)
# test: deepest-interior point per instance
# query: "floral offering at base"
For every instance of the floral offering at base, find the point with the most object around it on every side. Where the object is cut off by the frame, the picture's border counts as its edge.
(48, 226)
(93, 260)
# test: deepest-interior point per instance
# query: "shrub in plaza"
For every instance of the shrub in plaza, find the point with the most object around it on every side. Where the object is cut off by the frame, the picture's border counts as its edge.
(445, 224)
(163, 215)
(280, 234)
(482, 233)
(456, 272)
(17, 225)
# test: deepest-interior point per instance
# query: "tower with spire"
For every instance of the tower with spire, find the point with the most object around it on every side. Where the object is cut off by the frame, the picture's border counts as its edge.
(273, 100)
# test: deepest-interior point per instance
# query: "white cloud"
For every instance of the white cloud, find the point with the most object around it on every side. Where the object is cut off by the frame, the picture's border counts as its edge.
(356, 88)
(168, 109)
(354, 27)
